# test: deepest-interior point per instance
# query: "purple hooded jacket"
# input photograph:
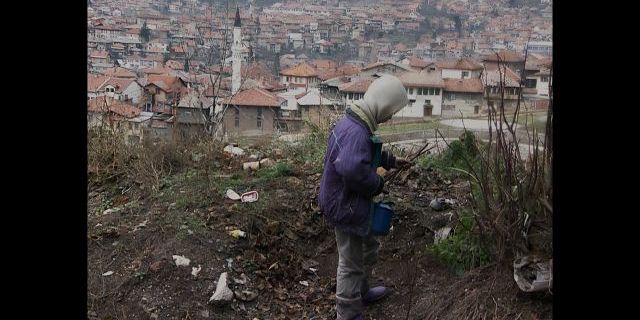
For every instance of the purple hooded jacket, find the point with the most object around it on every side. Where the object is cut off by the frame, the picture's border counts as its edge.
(349, 181)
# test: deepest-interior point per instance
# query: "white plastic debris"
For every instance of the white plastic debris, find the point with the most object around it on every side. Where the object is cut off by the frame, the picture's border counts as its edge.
(437, 204)
(266, 163)
(238, 234)
(223, 293)
(304, 283)
(250, 196)
(532, 273)
(252, 165)
(195, 271)
(441, 234)
(181, 261)
(233, 150)
(232, 195)
(140, 225)
(108, 273)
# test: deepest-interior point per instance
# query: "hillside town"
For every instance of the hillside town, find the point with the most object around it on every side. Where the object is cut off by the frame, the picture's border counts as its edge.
(157, 68)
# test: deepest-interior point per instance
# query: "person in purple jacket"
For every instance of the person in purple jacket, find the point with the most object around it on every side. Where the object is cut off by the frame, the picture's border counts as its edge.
(349, 183)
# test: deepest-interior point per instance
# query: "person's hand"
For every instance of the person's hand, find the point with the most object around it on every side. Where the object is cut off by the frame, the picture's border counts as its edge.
(402, 163)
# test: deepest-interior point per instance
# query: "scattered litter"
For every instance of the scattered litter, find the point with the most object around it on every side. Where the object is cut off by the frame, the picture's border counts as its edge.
(222, 294)
(266, 163)
(108, 273)
(235, 151)
(112, 210)
(450, 215)
(314, 270)
(250, 196)
(304, 283)
(437, 204)
(243, 279)
(309, 264)
(181, 261)
(245, 295)
(252, 165)
(232, 195)
(140, 225)
(195, 271)
(533, 274)
(441, 234)
(253, 157)
(229, 261)
(238, 233)
(273, 266)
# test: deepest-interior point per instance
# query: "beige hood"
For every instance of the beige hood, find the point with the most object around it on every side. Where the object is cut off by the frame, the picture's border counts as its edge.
(384, 97)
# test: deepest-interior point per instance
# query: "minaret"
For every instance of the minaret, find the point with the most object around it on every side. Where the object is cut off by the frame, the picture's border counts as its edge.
(236, 50)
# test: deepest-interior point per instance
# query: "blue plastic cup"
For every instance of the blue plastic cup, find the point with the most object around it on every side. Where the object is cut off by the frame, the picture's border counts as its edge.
(381, 220)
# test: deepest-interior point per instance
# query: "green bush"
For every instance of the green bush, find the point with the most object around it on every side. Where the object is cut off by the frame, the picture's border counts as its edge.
(278, 170)
(455, 157)
(463, 249)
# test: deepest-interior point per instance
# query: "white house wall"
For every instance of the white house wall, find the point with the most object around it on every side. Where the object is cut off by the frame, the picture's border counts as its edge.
(457, 74)
(134, 92)
(417, 108)
(454, 103)
(542, 87)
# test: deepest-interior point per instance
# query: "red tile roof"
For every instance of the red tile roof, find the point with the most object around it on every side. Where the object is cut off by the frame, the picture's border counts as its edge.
(416, 62)
(460, 64)
(119, 72)
(504, 56)
(463, 85)
(359, 86)
(119, 83)
(94, 82)
(104, 104)
(422, 78)
(167, 83)
(255, 97)
(157, 70)
(301, 70)
(324, 64)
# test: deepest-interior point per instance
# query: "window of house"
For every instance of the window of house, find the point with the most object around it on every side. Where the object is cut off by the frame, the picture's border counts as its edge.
(420, 91)
(350, 96)
(237, 118)
(259, 118)
(465, 74)
(452, 96)
(544, 79)
(437, 91)
(411, 102)
(427, 102)
(476, 109)
(410, 90)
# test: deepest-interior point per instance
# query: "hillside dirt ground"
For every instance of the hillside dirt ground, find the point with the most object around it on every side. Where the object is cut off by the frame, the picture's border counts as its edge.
(285, 267)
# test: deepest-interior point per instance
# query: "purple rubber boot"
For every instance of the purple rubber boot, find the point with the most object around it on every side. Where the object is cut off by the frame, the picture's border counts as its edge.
(374, 294)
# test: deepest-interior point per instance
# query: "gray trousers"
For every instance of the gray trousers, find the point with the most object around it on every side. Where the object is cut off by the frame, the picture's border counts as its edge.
(356, 257)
